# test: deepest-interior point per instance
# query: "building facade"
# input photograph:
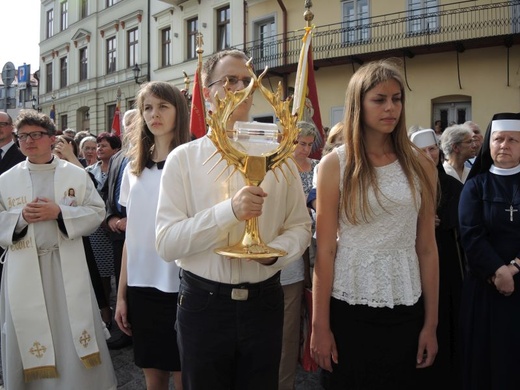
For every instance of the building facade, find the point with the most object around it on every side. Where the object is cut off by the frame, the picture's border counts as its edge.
(461, 58)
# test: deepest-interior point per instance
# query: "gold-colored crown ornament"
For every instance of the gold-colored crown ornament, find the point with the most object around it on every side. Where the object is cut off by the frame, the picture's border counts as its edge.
(253, 168)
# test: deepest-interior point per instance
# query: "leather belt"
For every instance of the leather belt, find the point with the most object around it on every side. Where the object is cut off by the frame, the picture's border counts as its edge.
(237, 292)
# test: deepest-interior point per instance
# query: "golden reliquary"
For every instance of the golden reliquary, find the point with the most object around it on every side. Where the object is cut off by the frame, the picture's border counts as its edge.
(268, 148)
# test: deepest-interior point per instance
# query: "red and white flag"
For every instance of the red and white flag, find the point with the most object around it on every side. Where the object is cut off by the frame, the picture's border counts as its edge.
(305, 103)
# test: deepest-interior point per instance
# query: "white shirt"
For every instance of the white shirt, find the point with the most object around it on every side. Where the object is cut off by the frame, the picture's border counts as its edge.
(145, 268)
(195, 216)
(6, 148)
(452, 172)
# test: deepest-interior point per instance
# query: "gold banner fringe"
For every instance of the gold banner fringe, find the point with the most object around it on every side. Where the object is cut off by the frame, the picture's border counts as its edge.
(91, 360)
(36, 373)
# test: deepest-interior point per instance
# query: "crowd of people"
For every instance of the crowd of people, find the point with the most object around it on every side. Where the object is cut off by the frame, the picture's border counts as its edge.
(407, 238)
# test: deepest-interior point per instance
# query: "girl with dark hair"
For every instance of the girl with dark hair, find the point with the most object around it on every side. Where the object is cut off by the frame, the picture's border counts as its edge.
(148, 285)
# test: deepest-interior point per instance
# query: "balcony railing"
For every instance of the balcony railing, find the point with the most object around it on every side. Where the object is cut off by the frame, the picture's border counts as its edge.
(433, 26)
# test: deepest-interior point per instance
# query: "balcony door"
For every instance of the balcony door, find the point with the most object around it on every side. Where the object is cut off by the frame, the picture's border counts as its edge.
(451, 113)
(265, 50)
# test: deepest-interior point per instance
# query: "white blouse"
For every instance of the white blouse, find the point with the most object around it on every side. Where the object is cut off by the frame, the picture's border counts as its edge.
(376, 262)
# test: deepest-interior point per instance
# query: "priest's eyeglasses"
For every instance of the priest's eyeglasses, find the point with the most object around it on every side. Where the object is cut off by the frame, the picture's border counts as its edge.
(34, 135)
(231, 81)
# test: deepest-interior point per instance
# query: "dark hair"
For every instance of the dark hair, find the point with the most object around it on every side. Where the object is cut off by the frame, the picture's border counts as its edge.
(34, 118)
(112, 139)
(141, 138)
(70, 140)
(80, 135)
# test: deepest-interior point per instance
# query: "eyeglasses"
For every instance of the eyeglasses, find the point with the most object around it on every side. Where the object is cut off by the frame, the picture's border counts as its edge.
(34, 135)
(471, 141)
(4, 124)
(231, 81)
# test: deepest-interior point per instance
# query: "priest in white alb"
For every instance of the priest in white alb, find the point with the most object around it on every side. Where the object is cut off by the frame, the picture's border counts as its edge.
(52, 336)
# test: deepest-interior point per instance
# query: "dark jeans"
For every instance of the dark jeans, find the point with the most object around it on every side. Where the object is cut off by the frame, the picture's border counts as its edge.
(226, 343)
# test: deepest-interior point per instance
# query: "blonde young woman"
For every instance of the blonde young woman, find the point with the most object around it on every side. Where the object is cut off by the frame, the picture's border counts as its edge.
(375, 281)
(148, 285)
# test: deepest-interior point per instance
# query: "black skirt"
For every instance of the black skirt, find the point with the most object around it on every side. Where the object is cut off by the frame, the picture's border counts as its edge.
(152, 315)
(377, 347)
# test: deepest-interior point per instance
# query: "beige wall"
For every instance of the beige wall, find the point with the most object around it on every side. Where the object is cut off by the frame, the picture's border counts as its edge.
(431, 78)
(483, 78)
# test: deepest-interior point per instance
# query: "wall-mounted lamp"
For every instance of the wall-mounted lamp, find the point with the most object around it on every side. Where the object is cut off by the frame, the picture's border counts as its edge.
(34, 107)
(204, 25)
(137, 71)
(87, 114)
(176, 35)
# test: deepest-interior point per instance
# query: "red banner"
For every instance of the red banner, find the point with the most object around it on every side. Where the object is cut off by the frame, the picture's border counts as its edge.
(198, 112)
(116, 122)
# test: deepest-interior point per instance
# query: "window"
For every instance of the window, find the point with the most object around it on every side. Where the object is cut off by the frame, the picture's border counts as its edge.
(265, 51)
(50, 23)
(48, 77)
(133, 40)
(355, 21)
(515, 18)
(111, 111)
(64, 15)
(64, 122)
(63, 72)
(422, 16)
(223, 28)
(192, 38)
(83, 62)
(83, 8)
(110, 3)
(166, 47)
(111, 55)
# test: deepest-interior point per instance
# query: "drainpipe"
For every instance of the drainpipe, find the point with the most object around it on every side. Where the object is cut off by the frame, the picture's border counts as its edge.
(244, 32)
(148, 38)
(284, 32)
(284, 36)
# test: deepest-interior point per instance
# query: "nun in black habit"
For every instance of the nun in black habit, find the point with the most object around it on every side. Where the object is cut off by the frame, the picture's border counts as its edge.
(489, 220)
(452, 268)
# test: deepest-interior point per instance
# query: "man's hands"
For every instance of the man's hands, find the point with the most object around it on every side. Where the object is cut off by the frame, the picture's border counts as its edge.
(40, 209)
(116, 224)
(247, 203)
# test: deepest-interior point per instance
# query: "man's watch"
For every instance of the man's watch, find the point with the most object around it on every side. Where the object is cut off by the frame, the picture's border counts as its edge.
(515, 264)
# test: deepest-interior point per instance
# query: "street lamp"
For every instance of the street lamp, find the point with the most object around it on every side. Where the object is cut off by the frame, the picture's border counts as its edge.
(137, 71)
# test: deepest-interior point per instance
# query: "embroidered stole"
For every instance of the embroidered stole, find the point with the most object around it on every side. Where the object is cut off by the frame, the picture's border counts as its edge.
(25, 288)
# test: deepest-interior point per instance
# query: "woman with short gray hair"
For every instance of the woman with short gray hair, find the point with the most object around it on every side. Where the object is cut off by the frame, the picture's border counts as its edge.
(458, 145)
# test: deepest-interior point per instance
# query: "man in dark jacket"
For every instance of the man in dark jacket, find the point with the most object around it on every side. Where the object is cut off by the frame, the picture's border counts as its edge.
(10, 154)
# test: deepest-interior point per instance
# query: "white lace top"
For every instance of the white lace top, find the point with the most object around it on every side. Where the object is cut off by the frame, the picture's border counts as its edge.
(376, 263)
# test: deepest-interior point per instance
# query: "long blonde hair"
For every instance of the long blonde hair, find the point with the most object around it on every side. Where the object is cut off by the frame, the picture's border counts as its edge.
(360, 174)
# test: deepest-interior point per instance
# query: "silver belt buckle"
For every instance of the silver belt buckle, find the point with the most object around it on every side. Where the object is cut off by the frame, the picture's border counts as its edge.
(239, 294)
